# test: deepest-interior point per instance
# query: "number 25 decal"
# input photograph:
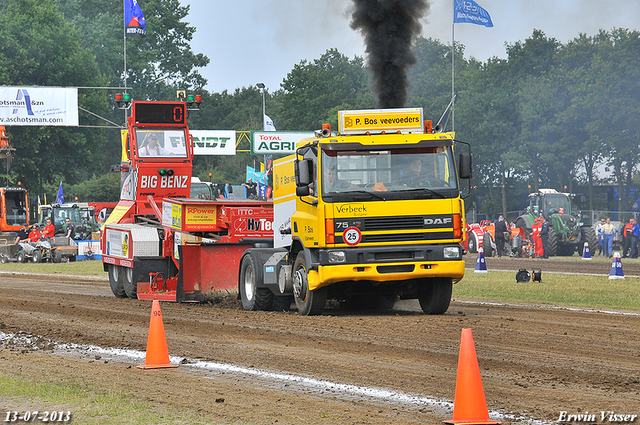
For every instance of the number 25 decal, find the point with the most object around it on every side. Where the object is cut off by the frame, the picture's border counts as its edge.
(352, 236)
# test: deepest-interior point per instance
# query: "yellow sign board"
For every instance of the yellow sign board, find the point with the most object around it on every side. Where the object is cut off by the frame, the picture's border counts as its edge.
(199, 217)
(406, 120)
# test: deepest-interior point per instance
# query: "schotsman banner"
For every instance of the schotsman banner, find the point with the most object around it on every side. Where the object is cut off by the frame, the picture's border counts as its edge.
(39, 106)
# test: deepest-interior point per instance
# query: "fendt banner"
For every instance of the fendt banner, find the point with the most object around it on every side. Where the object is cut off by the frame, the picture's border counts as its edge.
(39, 106)
(214, 142)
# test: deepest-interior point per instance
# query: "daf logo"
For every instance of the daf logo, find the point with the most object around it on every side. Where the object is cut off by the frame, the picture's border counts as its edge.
(430, 221)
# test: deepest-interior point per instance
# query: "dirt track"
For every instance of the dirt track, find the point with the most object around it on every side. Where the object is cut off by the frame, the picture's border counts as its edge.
(535, 362)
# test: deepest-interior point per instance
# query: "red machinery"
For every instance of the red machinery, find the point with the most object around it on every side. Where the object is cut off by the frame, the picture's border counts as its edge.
(157, 243)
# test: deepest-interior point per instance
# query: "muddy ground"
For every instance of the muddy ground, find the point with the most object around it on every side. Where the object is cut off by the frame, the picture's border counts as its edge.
(535, 362)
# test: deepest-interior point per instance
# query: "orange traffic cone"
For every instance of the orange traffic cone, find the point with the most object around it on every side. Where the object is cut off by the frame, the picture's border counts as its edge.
(470, 405)
(157, 351)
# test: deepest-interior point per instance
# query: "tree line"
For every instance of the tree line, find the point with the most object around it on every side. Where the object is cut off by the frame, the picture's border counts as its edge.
(547, 115)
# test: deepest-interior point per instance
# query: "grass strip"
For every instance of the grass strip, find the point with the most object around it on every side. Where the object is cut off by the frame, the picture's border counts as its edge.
(86, 405)
(597, 292)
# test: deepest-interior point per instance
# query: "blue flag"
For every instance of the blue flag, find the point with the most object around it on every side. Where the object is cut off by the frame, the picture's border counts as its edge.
(134, 18)
(470, 12)
(60, 197)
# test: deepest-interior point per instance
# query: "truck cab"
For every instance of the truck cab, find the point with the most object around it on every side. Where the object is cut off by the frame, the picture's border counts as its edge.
(372, 211)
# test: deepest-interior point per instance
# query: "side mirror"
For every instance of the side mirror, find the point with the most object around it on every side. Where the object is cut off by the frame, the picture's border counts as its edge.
(465, 166)
(304, 168)
(303, 191)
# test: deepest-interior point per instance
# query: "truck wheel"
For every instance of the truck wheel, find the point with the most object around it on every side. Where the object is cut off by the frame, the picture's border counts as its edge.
(20, 257)
(130, 287)
(435, 295)
(115, 281)
(487, 248)
(253, 298)
(37, 256)
(309, 303)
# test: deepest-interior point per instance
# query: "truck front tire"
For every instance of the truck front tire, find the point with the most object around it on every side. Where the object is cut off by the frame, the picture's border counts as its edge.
(435, 295)
(309, 303)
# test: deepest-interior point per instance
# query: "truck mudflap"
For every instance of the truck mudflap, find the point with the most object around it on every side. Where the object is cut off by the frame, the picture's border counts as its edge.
(385, 272)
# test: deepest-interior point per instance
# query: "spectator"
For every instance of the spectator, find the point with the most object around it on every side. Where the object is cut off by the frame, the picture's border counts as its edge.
(544, 235)
(71, 229)
(23, 234)
(635, 234)
(626, 238)
(599, 234)
(251, 188)
(500, 230)
(35, 235)
(49, 230)
(608, 233)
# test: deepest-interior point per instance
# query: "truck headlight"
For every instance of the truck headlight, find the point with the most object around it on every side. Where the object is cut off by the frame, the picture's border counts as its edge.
(451, 252)
(337, 257)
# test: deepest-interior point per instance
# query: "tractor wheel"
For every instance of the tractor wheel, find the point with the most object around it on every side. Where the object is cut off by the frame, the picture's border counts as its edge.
(486, 245)
(21, 257)
(115, 281)
(473, 243)
(552, 243)
(253, 298)
(309, 303)
(435, 295)
(588, 236)
(130, 287)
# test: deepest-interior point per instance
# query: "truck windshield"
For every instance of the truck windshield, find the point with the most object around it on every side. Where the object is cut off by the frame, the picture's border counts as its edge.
(161, 143)
(393, 174)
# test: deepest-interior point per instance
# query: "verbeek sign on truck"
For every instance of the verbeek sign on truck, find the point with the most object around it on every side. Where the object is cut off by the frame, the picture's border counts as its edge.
(276, 142)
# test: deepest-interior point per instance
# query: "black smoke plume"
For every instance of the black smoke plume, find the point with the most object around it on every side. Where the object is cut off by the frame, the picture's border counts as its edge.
(389, 28)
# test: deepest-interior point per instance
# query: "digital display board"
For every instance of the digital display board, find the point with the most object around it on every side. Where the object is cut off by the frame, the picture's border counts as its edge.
(160, 113)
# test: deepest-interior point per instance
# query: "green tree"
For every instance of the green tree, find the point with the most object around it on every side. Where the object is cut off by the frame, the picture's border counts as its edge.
(313, 92)
(41, 48)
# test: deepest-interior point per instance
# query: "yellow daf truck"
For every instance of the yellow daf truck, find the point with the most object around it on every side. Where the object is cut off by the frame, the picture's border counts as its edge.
(364, 217)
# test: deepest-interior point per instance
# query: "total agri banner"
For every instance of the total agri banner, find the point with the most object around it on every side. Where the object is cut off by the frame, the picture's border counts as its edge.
(39, 106)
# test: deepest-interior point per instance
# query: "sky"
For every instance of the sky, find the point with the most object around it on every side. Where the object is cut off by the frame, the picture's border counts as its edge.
(252, 41)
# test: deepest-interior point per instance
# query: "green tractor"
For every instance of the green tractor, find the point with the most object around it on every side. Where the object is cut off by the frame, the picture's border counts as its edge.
(567, 232)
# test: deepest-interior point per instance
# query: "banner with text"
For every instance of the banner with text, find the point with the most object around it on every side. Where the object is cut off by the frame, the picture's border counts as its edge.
(276, 142)
(214, 142)
(39, 106)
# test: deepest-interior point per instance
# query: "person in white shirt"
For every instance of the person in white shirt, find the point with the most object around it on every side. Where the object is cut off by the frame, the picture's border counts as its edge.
(608, 233)
(152, 148)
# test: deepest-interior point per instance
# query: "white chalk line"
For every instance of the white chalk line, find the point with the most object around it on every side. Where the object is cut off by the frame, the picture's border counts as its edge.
(348, 390)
